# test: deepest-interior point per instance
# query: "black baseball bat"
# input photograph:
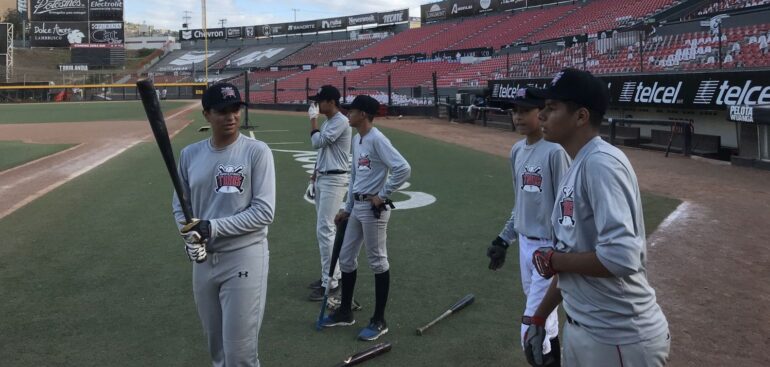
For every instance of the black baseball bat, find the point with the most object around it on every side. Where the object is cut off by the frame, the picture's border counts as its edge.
(151, 105)
(366, 355)
(459, 305)
(338, 238)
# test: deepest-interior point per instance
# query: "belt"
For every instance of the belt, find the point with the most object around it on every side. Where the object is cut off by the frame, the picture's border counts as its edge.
(362, 197)
(533, 238)
(571, 321)
(333, 172)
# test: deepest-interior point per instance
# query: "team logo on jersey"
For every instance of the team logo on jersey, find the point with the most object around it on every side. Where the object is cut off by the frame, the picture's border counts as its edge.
(364, 162)
(230, 179)
(531, 179)
(567, 206)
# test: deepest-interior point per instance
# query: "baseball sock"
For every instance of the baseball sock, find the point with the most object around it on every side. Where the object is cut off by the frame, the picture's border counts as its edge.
(348, 284)
(381, 288)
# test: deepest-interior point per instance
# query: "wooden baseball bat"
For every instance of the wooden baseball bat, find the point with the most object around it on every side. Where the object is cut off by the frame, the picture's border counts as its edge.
(459, 305)
(151, 105)
(338, 238)
(366, 355)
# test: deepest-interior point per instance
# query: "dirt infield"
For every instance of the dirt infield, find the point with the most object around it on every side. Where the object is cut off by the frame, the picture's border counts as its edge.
(97, 142)
(708, 261)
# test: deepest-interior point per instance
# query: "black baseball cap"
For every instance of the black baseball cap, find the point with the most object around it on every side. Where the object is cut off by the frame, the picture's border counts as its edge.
(221, 95)
(525, 99)
(326, 93)
(364, 103)
(576, 86)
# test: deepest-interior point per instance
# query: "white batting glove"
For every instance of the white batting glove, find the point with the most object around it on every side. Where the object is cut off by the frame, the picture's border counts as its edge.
(310, 191)
(312, 112)
(195, 251)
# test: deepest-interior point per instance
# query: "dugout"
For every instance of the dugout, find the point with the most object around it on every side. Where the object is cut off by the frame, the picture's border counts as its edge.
(752, 126)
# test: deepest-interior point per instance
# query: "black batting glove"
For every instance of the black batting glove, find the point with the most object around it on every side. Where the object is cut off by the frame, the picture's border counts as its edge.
(496, 253)
(197, 231)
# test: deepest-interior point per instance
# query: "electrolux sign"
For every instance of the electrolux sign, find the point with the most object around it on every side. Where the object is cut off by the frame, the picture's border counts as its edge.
(703, 91)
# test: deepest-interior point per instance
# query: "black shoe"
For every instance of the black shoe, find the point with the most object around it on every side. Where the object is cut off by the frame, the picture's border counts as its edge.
(338, 319)
(315, 285)
(318, 293)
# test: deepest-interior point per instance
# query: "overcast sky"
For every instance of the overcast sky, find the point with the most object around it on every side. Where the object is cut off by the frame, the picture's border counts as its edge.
(168, 14)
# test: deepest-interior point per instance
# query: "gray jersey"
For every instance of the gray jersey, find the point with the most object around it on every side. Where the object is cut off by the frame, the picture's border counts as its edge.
(537, 170)
(233, 187)
(373, 158)
(599, 209)
(333, 144)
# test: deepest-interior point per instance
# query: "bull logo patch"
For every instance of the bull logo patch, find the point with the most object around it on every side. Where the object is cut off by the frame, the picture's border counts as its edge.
(364, 163)
(567, 207)
(229, 180)
(531, 179)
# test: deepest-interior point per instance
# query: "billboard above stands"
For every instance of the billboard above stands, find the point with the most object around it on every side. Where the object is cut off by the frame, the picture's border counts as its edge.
(268, 30)
(433, 12)
(58, 34)
(461, 8)
(110, 34)
(234, 32)
(701, 91)
(353, 62)
(512, 4)
(397, 16)
(468, 52)
(302, 27)
(105, 10)
(197, 34)
(250, 31)
(362, 19)
(58, 10)
(405, 57)
(332, 24)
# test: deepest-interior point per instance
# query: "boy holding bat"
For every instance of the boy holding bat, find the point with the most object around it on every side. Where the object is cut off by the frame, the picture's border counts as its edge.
(230, 180)
(537, 166)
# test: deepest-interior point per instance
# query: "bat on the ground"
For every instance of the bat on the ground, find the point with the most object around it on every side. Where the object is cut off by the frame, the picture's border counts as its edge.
(366, 355)
(151, 105)
(338, 238)
(462, 303)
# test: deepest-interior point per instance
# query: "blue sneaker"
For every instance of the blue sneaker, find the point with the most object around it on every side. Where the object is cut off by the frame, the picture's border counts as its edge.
(338, 319)
(373, 331)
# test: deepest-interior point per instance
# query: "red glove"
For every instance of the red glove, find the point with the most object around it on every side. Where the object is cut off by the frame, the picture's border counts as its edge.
(541, 258)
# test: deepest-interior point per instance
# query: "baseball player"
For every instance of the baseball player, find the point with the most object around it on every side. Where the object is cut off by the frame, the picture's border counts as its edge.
(230, 180)
(378, 170)
(537, 167)
(330, 178)
(599, 260)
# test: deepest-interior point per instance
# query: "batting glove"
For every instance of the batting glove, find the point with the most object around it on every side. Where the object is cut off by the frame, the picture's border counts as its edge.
(310, 191)
(541, 258)
(197, 231)
(496, 253)
(312, 112)
(195, 251)
(533, 341)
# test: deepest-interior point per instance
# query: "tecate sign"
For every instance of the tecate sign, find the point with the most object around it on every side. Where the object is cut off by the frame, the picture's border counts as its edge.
(730, 95)
(655, 93)
(393, 18)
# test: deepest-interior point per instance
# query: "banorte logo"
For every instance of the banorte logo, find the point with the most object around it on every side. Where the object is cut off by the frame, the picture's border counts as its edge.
(49, 6)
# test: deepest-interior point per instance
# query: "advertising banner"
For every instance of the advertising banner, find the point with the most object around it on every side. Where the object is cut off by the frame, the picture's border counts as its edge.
(59, 10)
(58, 34)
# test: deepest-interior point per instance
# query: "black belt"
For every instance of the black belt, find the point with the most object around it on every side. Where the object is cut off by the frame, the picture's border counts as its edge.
(533, 238)
(571, 321)
(362, 197)
(333, 172)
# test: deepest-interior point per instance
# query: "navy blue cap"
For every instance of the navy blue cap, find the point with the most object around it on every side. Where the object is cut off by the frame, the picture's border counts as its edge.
(364, 103)
(220, 96)
(326, 93)
(576, 86)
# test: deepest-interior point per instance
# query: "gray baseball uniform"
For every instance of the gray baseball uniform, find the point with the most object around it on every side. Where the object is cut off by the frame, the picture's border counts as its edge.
(599, 209)
(378, 169)
(234, 188)
(537, 170)
(333, 144)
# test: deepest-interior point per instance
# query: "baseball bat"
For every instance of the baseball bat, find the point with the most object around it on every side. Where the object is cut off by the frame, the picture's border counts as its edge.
(366, 355)
(338, 238)
(151, 105)
(462, 303)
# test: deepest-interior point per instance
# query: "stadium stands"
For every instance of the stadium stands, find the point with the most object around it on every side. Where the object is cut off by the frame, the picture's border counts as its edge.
(323, 53)
(724, 5)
